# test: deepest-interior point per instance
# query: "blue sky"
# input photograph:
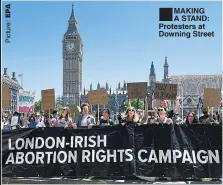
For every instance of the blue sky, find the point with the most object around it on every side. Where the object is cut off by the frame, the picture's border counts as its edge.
(120, 41)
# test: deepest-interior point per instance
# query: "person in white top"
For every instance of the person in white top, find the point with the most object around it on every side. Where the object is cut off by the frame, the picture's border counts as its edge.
(85, 119)
(54, 120)
(40, 118)
(162, 118)
(65, 119)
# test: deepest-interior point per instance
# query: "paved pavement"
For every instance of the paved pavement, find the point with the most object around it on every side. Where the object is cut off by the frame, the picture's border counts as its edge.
(61, 180)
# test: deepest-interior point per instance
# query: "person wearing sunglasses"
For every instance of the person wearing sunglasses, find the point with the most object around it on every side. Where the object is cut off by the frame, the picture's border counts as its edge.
(65, 120)
(131, 117)
(162, 117)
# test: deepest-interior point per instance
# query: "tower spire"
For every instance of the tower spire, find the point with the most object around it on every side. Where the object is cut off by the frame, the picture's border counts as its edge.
(72, 13)
(72, 25)
(152, 70)
(166, 71)
(166, 64)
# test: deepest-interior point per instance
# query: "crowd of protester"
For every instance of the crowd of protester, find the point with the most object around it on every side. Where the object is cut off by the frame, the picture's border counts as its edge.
(160, 115)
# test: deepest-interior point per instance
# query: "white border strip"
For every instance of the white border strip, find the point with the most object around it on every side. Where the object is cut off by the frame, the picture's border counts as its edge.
(115, 0)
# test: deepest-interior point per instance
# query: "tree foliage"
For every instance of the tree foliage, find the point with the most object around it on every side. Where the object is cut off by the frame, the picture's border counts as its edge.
(59, 109)
(38, 106)
(137, 104)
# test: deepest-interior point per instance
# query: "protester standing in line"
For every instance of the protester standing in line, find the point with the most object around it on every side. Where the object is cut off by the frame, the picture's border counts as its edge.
(206, 118)
(54, 120)
(32, 122)
(162, 117)
(41, 119)
(85, 119)
(65, 120)
(191, 118)
(131, 117)
(106, 118)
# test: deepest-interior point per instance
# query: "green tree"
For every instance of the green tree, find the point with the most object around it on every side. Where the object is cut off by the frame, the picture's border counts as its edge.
(38, 106)
(59, 109)
(137, 104)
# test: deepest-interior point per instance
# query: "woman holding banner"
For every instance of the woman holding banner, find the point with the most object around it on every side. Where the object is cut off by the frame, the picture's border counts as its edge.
(54, 120)
(191, 118)
(131, 116)
(106, 119)
(162, 117)
(85, 119)
(65, 119)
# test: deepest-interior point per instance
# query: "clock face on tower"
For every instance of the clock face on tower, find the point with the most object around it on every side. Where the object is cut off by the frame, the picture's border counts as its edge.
(70, 46)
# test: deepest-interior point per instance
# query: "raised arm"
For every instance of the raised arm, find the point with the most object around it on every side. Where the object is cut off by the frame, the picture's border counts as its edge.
(145, 116)
(177, 108)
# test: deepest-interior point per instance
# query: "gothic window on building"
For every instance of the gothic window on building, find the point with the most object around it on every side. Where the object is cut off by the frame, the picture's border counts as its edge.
(67, 64)
(64, 88)
(67, 88)
(71, 90)
(189, 101)
(73, 87)
(66, 77)
(70, 64)
(70, 79)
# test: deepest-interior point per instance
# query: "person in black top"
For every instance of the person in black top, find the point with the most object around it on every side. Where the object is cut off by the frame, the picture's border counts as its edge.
(47, 120)
(206, 118)
(106, 119)
(131, 117)
(191, 118)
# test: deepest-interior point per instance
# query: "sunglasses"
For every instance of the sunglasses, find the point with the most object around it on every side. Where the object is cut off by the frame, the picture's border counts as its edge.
(160, 109)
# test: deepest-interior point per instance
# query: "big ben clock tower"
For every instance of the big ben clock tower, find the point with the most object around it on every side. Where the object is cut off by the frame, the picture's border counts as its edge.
(72, 63)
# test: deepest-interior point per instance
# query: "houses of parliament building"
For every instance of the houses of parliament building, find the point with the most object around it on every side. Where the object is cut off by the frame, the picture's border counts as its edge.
(120, 94)
(190, 88)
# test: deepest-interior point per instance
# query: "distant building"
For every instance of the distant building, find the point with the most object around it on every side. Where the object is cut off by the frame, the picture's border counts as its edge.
(191, 89)
(14, 87)
(116, 97)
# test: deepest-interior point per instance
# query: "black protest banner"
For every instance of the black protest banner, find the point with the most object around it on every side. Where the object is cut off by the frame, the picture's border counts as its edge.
(193, 151)
(67, 152)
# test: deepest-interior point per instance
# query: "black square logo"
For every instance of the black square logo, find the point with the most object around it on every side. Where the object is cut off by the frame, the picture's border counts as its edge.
(166, 14)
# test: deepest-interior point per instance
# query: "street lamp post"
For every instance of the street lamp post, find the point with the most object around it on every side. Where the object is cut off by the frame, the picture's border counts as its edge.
(182, 102)
(199, 103)
(182, 99)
